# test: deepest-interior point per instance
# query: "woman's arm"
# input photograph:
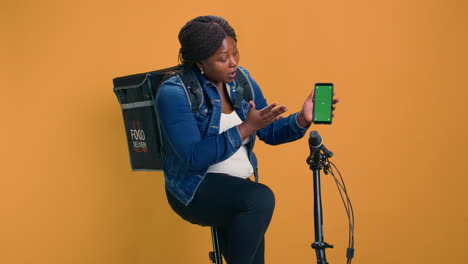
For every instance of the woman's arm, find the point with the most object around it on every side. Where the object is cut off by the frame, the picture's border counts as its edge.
(280, 130)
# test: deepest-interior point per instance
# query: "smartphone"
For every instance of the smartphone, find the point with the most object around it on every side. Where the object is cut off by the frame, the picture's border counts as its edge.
(323, 100)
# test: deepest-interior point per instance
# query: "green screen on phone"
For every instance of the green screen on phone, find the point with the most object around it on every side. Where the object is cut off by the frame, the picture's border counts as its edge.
(323, 103)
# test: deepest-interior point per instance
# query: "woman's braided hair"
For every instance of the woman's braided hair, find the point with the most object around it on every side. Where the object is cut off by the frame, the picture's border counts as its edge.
(201, 37)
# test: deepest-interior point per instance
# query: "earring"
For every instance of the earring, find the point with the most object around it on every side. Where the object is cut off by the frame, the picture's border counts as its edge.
(201, 70)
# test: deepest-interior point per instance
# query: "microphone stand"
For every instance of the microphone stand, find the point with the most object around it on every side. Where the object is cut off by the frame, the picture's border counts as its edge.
(316, 162)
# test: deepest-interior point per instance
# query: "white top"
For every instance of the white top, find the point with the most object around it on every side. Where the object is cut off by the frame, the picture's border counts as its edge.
(238, 164)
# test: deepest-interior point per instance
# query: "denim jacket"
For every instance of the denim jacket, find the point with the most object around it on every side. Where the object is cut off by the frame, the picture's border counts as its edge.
(193, 140)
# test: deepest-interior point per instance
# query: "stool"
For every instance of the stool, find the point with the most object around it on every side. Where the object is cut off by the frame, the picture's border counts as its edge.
(215, 255)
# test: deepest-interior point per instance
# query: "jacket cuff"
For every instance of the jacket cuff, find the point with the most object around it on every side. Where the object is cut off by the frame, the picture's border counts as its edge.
(296, 127)
(234, 137)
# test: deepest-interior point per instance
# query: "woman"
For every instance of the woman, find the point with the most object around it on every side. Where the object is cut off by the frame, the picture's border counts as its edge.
(210, 156)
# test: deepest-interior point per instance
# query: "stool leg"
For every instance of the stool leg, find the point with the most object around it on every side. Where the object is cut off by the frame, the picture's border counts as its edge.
(215, 255)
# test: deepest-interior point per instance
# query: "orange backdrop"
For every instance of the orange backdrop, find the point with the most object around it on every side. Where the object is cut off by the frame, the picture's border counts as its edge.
(67, 194)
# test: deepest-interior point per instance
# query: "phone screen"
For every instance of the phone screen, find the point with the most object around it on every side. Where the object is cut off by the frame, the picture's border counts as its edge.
(323, 103)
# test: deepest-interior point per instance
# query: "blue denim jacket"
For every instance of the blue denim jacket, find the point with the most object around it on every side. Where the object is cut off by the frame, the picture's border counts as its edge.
(193, 140)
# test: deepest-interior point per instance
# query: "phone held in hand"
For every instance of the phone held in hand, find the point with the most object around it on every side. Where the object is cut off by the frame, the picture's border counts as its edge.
(323, 100)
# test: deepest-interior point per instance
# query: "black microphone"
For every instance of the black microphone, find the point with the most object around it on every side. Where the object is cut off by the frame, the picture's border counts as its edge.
(315, 143)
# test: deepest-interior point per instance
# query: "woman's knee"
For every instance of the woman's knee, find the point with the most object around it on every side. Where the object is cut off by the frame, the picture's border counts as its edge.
(261, 198)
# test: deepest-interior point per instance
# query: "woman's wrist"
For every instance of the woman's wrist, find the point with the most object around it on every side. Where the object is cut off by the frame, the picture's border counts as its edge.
(301, 120)
(245, 130)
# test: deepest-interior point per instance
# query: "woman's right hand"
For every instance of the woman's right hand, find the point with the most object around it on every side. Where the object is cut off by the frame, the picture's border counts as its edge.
(258, 119)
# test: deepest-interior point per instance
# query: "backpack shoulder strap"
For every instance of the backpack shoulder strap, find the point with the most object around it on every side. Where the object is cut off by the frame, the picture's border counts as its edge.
(192, 89)
(194, 92)
(244, 88)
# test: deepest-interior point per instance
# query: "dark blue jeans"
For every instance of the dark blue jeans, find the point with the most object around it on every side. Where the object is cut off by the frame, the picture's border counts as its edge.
(242, 209)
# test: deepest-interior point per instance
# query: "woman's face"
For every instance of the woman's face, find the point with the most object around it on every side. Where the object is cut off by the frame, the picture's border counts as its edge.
(221, 67)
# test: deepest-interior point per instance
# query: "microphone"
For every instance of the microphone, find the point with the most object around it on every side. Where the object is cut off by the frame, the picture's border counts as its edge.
(315, 143)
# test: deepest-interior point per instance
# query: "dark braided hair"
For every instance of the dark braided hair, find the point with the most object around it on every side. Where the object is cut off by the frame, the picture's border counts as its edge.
(201, 37)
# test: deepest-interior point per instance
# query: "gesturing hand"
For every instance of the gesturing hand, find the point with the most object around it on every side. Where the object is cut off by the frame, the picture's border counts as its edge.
(258, 119)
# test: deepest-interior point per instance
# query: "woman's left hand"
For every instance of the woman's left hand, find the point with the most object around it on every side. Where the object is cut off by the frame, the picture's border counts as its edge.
(306, 115)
